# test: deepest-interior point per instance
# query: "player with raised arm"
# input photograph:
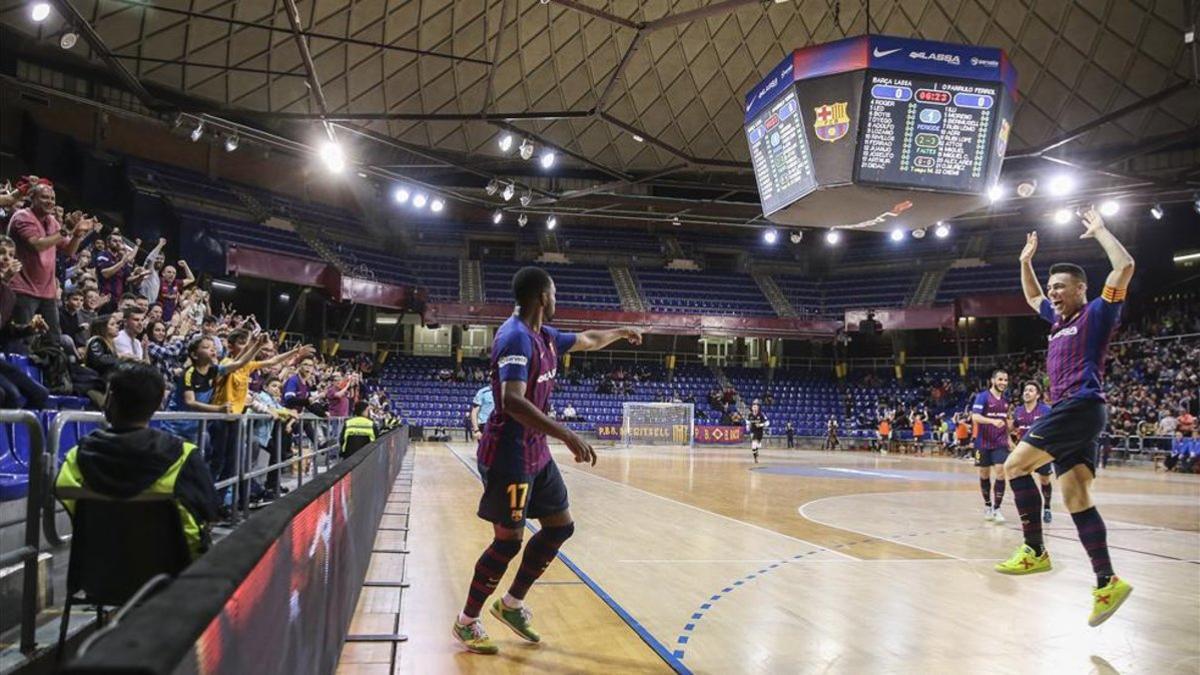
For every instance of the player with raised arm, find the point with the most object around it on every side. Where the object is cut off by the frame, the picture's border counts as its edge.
(989, 412)
(1031, 410)
(756, 424)
(1068, 434)
(520, 479)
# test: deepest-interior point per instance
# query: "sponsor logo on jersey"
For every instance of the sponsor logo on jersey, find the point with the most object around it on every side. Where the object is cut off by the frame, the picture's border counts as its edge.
(831, 122)
(1066, 332)
(515, 360)
(547, 376)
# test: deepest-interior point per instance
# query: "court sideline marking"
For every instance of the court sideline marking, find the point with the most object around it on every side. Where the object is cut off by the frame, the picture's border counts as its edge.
(659, 648)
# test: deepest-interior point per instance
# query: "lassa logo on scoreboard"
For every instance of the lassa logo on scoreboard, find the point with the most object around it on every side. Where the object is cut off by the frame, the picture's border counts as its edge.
(933, 96)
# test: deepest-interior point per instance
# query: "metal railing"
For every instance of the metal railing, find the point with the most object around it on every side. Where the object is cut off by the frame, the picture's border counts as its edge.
(27, 554)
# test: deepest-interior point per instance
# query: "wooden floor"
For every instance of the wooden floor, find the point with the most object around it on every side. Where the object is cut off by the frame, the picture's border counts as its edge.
(809, 562)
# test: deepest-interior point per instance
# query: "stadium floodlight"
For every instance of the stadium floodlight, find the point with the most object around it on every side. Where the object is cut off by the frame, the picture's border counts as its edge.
(1156, 212)
(40, 11)
(1026, 188)
(551, 222)
(400, 194)
(676, 222)
(437, 204)
(771, 236)
(548, 158)
(333, 156)
(509, 191)
(526, 149)
(497, 216)
(1196, 204)
(1061, 184)
(198, 132)
(796, 236)
(492, 187)
(832, 237)
(527, 198)
(638, 138)
(897, 235)
(68, 40)
(919, 233)
(942, 230)
(506, 142)
(231, 142)
(1062, 216)
(419, 200)
(284, 297)
(223, 285)
(522, 220)
(996, 193)
(1109, 207)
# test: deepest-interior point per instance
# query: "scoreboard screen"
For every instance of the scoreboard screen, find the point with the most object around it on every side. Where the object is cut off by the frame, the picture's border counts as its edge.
(923, 132)
(783, 165)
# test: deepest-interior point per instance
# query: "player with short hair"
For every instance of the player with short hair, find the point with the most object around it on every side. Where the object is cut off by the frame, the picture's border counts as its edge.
(756, 424)
(520, 479)
(831, 435)
(989, 412)
(1031, 410)
(1068, 435)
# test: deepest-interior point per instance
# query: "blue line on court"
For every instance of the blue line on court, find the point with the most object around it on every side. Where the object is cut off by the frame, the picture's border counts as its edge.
(671, 658)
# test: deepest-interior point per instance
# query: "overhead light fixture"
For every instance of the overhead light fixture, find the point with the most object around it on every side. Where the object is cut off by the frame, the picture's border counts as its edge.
(40, 11)
(333, 156)
(497, 216)
(897, 235)
(918, 233)
(509, 191)
(419, 200)
(941, 231)
(522, 220)
(68, 40)
(796, 236)
(1156, 211)
(527, 198)
(437, 204)
(551, 222)
(231, 142)
(506, 142)
(548, 159)
(637, 138)
(400, 194)
(1061, 184)
(676, 222)
(1026, 188)
(1196, 204)
(526, 149)
(1062, 216)
(832, 237)
(492, 187)
(222, 285)
(1186, 257)
(771, 236)
(284, 297)
(198, 132)
(387, 320)
(996, 193)
(1109, 207)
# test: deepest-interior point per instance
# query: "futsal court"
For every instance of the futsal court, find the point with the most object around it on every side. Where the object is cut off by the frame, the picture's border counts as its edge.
(851, 562)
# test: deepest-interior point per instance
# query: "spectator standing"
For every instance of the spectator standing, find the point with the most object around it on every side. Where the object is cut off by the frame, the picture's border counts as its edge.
(1186, 423)
(71, 319)
(171, 287)
(17, 390)
(112, 263)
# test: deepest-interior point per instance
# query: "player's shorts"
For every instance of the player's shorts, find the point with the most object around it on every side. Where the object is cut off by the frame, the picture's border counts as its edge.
(756, 436)
(1045, 468)
(1070, 433)
(994, 456)
(508, 499)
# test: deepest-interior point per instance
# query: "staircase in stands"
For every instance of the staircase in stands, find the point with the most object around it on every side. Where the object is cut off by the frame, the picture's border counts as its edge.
(470, 282)
(723, 380)
(770, 289)
(627, 289)
(256, 208)
(926, 291)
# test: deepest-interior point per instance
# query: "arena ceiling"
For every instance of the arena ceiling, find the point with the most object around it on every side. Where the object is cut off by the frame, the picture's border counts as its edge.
(422, 89)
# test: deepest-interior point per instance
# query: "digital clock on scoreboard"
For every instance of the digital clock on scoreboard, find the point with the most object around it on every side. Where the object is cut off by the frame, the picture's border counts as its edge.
(926, 132)
(783, 165)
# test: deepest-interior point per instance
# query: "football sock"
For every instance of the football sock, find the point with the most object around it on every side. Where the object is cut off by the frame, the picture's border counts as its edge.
(488, 571)
(998, 492)
(1029, 505)
(985, 486)
(540, 550)
(1094, 537)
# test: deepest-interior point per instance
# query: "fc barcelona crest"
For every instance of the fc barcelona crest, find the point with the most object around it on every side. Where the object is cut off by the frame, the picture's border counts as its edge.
(831, 122)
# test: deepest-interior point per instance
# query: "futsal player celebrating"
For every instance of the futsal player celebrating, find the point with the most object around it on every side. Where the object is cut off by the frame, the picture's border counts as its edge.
(1068, 434)
(756, 424)
(989, 412)
(1031, 410)
(520, 479)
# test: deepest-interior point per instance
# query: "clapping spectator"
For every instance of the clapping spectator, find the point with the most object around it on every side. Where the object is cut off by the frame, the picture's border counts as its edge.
(113, 263)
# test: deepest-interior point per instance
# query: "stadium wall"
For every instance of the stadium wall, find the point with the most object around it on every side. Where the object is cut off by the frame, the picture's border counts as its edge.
(275, 596)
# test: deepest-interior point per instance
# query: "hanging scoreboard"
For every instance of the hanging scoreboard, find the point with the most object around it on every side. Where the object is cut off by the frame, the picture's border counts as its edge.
(779, 151)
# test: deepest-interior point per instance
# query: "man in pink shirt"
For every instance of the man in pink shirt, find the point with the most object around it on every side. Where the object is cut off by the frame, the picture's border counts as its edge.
(39, 236)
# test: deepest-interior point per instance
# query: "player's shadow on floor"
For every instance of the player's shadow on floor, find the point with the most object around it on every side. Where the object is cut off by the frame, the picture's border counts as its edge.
(542, 658)
(1103, 667)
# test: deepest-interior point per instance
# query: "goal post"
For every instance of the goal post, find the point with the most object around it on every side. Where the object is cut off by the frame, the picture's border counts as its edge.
(644, 423)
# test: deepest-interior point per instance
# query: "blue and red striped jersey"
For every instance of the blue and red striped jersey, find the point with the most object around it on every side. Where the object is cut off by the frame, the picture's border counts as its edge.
(1078, 346)
(995, 408)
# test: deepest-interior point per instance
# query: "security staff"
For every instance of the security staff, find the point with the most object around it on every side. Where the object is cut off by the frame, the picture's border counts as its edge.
(359, 430)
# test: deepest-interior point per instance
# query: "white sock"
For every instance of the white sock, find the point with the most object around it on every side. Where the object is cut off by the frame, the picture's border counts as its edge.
(511, 602)
(464, 620)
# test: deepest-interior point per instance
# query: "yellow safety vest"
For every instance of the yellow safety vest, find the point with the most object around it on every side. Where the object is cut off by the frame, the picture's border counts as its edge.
(359, 426)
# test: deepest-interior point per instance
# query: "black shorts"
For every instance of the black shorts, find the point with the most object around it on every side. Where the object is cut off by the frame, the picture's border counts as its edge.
(1044, 469)
(989, 457)
(1069, 433)
(756, 435)
(508, 499)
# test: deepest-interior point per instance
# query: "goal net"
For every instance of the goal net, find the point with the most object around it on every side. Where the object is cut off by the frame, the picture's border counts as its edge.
(657, 423)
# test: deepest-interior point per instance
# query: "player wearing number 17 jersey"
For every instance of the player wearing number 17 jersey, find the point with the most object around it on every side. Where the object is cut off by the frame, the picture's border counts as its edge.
(1068, 435)
(520, 479)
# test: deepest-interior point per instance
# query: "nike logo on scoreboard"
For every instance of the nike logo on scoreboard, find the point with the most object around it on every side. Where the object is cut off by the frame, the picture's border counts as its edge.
(880, 54)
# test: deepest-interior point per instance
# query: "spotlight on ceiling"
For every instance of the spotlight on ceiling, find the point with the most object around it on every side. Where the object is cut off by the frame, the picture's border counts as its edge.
(492, 186)
(551, 222)
(400, 194)
(231, 142)
(832, 237)
(527, 198)
(1156, 212)
(68, 40)
(638, 138)
(771, 236)
(1196, 204)
(437, 204)
(1062, 216)
(1061, 184)
(333, 156)
(897, 235)
(198, 132)
(526, 149)
(497, 216)
(509, 191)
(796, 236)
(40, 11)
(1026, 188)
(676, 222)
(548, 158)
(419, 200)
(522, 220)
(941, 231)
(996, 193)
(506, 142)
(1109, 207)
